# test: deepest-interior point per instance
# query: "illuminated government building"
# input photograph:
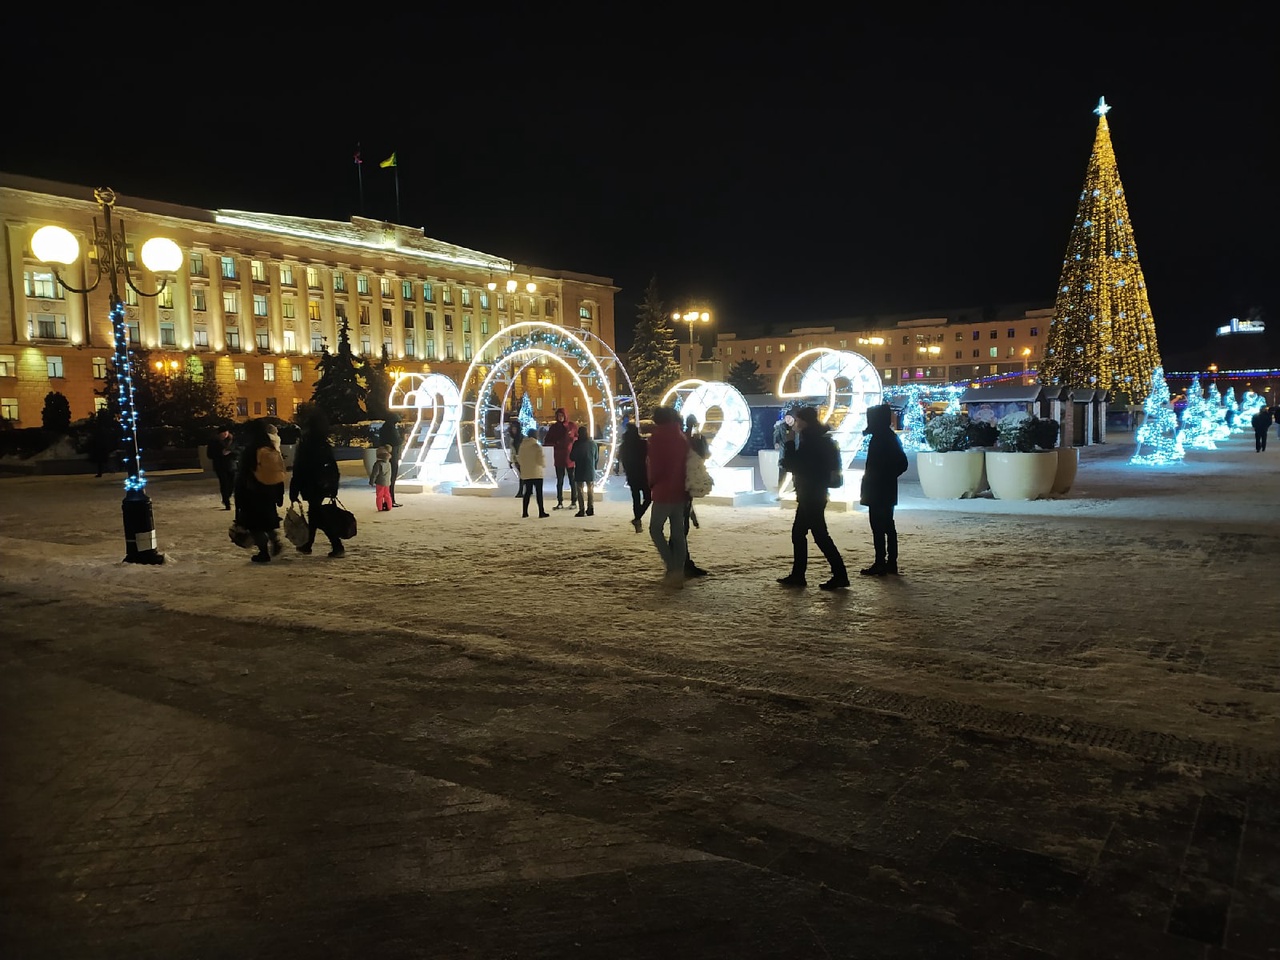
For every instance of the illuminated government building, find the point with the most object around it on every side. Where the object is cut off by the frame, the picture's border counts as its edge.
(257, 299)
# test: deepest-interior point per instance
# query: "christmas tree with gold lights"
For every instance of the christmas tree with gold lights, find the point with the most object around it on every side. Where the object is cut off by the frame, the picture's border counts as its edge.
(1102, 334)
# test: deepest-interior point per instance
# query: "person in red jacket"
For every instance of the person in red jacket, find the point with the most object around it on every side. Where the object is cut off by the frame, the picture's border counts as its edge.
(668, 452)
(559, 438)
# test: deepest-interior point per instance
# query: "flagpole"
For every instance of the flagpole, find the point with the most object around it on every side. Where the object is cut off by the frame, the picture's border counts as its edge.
(397, 170)
(360, 177)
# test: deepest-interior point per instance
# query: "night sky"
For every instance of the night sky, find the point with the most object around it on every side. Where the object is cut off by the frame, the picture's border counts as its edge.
(779, 173)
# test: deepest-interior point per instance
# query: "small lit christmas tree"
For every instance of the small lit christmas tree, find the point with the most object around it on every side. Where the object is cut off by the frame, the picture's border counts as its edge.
(913, 420)
(1159, 439)
(1102, 334)
(527, 420)
(1250, 404)
(1197, 419)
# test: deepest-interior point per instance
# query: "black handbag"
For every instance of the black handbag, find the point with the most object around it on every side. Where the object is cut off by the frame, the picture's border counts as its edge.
(336, 520)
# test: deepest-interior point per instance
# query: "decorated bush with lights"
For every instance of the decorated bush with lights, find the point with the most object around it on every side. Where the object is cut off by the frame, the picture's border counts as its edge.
(1159, 441)
(1198, 427)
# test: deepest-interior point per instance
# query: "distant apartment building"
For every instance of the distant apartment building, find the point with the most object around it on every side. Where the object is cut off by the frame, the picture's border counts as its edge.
(958, 346)
(258, 297)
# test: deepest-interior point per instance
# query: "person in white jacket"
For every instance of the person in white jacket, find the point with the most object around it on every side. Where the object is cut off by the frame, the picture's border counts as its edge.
(532, 462)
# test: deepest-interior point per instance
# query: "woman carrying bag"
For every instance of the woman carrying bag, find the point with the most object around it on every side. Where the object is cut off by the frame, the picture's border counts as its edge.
(315, 479)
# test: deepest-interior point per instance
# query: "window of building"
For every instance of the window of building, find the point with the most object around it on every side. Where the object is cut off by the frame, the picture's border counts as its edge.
(782, 347)
(386, 316)
(195, 263)
(233, 340)
(977, 353)
(242, 407)
(384, 286)
(550, 306)
(48, 326)
(197, 299)
(995, 334)
(406, 289)
(977, 335)
(200, 338)
(263, 340)
(339, 310)
(297, 373)
(427, 293)
(228, 265)
(290, 342)
(8, 408)
(230, 301)
(317, 343)
(258, 271)
(362, 284)
(131, 255)
(364, 313)
(130, 297)
(313, 310)
(165, 297)
(239, 371)
(409, 320)
(994, 368)
(268, 373)
(431, 320)
(1035, 331)
(888, 357)
(132, 332)
(448, 349)
(768, 348)
(995, 351)
(484, 299)
(387, 344)
(502, 301)
(1010, 333)
(768, 363)
(42, 285)
(168, 336)
(484, 326)
(313, 278)
(448, 323)
(959, 354)
(289, 308)
(466, 323)
(55, 367)
(446, 294)
(466, 349)
(431, 349)
(99, 403)
(9, 365)
(466, 296)
(584, 311)
(271, 406)
(286, 275)
(339, 282)
(259, 304)
(366, 344)
(99, 367)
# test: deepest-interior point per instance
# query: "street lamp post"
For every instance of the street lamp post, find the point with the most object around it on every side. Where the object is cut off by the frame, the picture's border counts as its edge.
(55, 245)
(691, 317)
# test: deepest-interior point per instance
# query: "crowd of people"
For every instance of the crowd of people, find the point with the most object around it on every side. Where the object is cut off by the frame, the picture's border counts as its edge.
(657, 469)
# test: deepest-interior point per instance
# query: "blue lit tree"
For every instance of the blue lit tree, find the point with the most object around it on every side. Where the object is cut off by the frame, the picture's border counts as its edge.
(527, 420)
(1197, 419)
(913, 419)
(1159, 439)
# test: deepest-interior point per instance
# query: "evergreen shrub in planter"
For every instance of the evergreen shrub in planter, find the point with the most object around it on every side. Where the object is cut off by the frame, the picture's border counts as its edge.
(951, 471)
(1021, 469)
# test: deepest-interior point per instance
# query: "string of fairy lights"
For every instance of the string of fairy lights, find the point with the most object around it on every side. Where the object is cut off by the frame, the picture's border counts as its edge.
(134, 479)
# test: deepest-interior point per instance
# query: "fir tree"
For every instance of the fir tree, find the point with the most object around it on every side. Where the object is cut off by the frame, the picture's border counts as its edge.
(527, 420)
(1197, 419)
(1102, 334)
(169, 408)
(912, 435)
(377, 385)
(1159, 440)
(338, 394)
(746, 377)
(651, 360)
(56, 415)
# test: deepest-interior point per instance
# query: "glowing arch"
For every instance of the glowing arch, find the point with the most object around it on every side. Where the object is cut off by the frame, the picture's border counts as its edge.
(734, 427)
(675, 397)
(518, 346)
(435, 402)
(850, 384)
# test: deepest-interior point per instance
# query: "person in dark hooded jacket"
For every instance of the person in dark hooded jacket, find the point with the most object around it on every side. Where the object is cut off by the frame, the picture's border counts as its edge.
(811, 457)
(559, 438)
(315, 478)
(886, 462)
(633, 453)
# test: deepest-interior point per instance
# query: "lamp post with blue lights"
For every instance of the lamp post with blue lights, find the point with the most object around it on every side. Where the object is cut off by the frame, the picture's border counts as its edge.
(55, 245)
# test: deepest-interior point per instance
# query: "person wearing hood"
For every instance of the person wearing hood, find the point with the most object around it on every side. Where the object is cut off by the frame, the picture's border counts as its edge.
(315, 478)
(812, 459)
(668, 454)
(633, 454)
(583, 455)
(559, 439)
(886, 462)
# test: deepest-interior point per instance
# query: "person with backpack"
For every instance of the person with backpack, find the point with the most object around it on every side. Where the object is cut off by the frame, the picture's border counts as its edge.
(814, 462)
(886, 462)
(315, 478)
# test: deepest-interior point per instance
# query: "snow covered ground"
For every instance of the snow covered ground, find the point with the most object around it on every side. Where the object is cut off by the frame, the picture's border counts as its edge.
(1147, 599)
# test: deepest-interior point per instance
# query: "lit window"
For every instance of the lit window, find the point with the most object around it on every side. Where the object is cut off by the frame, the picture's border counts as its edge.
(313, 278)
(466, 323)
(364, 313)
(502, 301)
(239, 372)
(995, 352)
(165, 297)
(263, 339)
(168, 337)
(446, 294)
(42, 285)
(99, 368)
(408, 347)
(271, 406)
(339, 282)
(484, 299)
(242, 406)
(259, 304)
(313, 310)
(427, 295)
(289, 308)
(888, 374)
(317, 343)
(384, 285)
(200, 338)
(431, 349)
(233, 340)
(99, 403)
(362, 283)
(297, 373)
(484, 326)
(230, 301)
(258, 270)
(286, 275)
(228, 268)
(584, 311)
(290, 342)
(130, 296)
(55, 367)
(448, 349)
(196, 264)
(8, 408)
(49, 326)
(366, 344)
(406, 289)
(268, 372)
(466, 296)
(197, 299)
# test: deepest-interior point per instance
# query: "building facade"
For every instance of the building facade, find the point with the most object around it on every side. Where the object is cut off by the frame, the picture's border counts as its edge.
(972, 345)
(258, 297)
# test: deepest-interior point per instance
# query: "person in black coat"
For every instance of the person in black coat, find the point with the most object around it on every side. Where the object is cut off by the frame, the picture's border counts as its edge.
(222, 455)
(886, 462)
(1261, 425)
(389, 435)
(259, 488)
(812, 459)
(633, 454)
(315, 479)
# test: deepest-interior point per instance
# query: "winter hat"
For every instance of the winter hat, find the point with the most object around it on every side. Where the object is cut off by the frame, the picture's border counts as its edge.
(808, 414)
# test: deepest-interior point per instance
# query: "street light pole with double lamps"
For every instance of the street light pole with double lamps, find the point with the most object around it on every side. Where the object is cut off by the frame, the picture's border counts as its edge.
(55, 245)
(691, 317)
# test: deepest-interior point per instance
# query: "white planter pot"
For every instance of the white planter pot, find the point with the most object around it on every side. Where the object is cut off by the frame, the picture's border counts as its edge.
(1021, 476)
(951, 476)
(1068, 464)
